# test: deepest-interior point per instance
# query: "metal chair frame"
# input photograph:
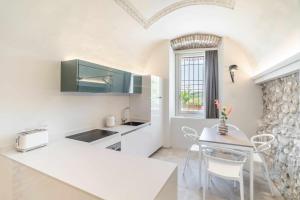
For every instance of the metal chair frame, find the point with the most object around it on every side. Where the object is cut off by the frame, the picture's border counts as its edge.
(192, 135)
(262, 143)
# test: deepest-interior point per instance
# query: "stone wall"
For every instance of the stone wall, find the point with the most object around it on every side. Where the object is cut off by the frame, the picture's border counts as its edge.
(281, 117)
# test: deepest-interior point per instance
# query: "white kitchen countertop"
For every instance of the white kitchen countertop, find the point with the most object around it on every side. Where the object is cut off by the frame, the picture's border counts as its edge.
(104, 173)
(124, 129)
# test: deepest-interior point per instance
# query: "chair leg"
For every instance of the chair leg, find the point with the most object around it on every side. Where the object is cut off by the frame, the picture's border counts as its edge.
(267, 175)
(200, 166)
(209, 181)
(242, 186)
(186, 160)
(205, 184)
(234, 184)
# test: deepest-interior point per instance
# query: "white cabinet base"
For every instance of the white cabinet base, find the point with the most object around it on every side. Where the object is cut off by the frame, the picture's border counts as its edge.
(142, 142)
(137, 142)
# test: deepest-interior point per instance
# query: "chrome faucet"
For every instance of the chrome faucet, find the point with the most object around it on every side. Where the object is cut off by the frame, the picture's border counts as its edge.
(123, 116)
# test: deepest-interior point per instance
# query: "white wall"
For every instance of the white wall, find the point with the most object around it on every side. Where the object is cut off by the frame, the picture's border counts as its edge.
(36, 35)
(177, 139)
(243, 95)
(31, 97)
(103, 31)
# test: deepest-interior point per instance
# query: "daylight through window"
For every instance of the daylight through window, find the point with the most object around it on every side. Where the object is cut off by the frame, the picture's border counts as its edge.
(190, 84)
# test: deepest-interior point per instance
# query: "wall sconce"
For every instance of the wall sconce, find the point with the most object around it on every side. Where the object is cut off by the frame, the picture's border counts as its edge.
(232, 68)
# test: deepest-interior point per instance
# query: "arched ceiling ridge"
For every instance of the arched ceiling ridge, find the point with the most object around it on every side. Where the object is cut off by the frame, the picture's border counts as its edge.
(195, 41)
(146, 23)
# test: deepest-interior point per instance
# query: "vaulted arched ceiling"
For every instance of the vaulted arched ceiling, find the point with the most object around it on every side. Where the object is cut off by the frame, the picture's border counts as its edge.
(269, 31)
(147, 13)
(102, 31)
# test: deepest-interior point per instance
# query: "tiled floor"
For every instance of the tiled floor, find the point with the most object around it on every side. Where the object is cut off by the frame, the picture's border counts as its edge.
(188, 185)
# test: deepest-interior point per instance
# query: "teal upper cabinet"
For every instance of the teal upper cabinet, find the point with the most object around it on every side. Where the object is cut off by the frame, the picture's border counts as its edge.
(82, 76)
(137, 84)
(94, 79)
(118, 79)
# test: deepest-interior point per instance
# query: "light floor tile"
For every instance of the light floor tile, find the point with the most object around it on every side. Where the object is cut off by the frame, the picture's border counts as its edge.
(189, 187)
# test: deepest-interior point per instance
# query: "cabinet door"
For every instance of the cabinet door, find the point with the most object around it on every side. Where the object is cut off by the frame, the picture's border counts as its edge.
(94, 79)
(120, 81)
(156, 132)
(137, 84)
(127, 82)
(156, 112)
(133, 83)
(137, 142)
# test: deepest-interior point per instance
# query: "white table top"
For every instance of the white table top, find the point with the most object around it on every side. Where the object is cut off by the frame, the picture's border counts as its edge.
(233, 137)
(101, 172)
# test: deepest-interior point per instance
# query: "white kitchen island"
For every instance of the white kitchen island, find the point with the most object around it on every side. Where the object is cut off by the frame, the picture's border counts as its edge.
(70, 170)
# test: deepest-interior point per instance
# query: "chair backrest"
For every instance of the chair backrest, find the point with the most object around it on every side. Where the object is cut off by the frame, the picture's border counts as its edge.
(236, 158)
(230, 127)
(190, 133)
(262, 142)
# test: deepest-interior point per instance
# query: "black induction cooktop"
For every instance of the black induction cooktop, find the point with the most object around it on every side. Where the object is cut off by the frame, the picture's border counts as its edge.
(92, 135)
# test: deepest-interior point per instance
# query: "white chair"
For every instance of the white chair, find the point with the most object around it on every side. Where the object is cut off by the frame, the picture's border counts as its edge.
(262, 143)
(226, 168)
(230, 127)
(193, 136)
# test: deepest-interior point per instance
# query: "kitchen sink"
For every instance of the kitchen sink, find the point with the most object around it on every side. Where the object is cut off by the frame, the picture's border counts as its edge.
(134, 123)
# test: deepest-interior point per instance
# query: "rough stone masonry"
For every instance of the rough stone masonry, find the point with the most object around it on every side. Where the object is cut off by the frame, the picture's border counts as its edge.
(281, 117)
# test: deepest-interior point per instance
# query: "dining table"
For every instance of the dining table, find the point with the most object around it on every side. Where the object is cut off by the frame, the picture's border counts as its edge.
(234, 139)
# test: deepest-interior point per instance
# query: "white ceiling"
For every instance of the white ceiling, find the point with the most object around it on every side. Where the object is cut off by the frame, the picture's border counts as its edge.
(150, 8)
(100, 30)
(268, 30)
(148, 12)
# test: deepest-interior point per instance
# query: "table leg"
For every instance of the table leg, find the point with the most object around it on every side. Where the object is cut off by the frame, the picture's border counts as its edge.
(251, 175)
(200, 165)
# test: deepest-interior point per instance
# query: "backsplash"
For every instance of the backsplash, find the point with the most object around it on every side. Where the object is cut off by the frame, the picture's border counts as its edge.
(281, 117)
(62, 113)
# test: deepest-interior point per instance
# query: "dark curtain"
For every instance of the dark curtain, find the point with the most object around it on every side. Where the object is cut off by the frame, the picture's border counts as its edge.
(211, 83)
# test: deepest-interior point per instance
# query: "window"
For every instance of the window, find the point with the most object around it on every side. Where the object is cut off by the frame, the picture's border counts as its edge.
(190, 73)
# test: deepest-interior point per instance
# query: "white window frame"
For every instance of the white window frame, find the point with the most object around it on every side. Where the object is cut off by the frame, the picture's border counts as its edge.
(178, 56)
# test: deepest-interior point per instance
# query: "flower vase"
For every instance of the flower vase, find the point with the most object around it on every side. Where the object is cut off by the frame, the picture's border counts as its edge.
(222, 128)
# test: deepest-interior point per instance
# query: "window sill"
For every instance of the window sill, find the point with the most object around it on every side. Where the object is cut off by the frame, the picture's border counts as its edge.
(188, 117)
